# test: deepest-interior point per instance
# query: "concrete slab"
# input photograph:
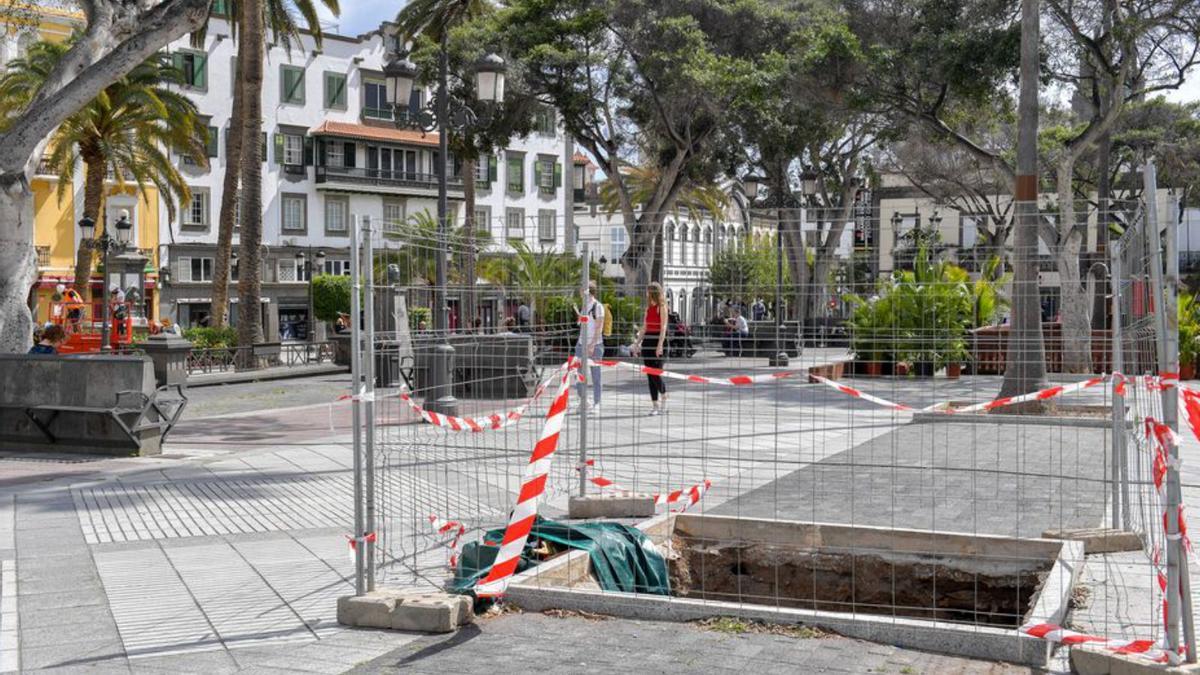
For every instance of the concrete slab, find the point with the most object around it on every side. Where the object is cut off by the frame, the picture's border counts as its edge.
(406, 609)
(1099, 539)
(611, 505)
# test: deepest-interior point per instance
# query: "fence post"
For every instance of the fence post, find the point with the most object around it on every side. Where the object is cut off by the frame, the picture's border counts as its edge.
(369, 386)
(355, 412)
(1120, 468)
(1179, 598)
(585, 262)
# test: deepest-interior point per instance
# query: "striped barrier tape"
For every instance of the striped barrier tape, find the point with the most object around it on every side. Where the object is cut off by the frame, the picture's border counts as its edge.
(1041, 395)
(368, 538)
(446, 527)
(690, 495)
(533, 484)
(735, 381)
(1055, 633)
(851, 391)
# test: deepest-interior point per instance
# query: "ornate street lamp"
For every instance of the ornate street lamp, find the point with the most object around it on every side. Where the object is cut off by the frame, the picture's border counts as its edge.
(443, 116)
(107, 244)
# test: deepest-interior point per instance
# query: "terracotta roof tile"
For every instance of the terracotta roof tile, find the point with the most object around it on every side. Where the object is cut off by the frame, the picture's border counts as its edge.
(369, 133)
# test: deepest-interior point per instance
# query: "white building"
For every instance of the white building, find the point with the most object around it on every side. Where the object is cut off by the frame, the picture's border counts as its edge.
(332, 153)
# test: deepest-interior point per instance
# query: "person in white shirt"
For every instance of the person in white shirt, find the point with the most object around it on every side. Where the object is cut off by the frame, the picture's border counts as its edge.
(591, 337)
(739, 331)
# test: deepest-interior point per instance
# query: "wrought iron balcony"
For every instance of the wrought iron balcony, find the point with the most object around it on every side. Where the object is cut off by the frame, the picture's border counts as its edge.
(383, 178)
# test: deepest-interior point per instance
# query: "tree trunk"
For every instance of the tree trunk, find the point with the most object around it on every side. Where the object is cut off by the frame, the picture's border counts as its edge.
(467, 309)
(18, 262)
(228, 214)
(1076, 306)
(638, 260)
(250, 42)
(826, 252)
(1026, 367)
(1100, 305)
(93, 202)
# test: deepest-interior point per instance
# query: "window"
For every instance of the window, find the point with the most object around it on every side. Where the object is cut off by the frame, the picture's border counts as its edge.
(295, 213)
(194, 66)
(970, 230)
(196, 269)
(291, 82)
(516, 174)
(544, 121)
(546, 229)
(393, 213)
(482, 175)
(196, 213)
(210, 148)
(545, 176)
(292, 270)
(335, 91)
(483, 219)
(337, 214)
(514, 224)
(293, 150)
(335, 154)
(337, 267)
(375, 101)
(616, 242)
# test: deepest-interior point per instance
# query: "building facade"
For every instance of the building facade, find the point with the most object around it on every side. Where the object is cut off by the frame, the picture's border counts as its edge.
(334, 155)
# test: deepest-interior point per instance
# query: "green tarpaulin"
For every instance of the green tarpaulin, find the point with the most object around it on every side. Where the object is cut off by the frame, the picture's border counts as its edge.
(623, 558)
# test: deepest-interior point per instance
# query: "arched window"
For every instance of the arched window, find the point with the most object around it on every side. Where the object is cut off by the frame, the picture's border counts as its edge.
(668, 246)
(680, 239)
(708, 245)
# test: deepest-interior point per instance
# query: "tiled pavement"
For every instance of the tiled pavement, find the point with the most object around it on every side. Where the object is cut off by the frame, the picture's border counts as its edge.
(217, 561)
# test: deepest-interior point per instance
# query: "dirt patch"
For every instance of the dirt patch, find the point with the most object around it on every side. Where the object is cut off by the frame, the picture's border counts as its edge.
(927, 588)
(575, 614)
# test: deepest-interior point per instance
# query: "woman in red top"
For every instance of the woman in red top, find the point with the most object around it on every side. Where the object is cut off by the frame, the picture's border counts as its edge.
(654, 326)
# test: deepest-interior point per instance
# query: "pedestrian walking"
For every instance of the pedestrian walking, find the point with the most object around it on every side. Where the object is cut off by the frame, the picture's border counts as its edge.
(591, 338)
(51, 339)
(651, 342)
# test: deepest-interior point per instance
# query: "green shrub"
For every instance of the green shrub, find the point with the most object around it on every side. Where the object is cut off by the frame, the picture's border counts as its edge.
(331, 296)
(418, 314)
(211, 338)
(1189, 328)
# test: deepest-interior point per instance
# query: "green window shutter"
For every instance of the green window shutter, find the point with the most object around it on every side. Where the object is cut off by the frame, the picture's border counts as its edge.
(177, 62)
(516, 175)
(262, 147)
(557, 175)
(213, 135)
(278, 149)
(335, 90)
(493, 172)
(348, 155)
(308, 151)
(201, 71)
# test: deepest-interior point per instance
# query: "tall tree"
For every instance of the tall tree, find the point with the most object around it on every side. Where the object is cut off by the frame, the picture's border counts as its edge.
(628, 75)
(280, 18)
(126, 132)
(251, 39)
(1026, 365)
(1116, 52)
(116, 38)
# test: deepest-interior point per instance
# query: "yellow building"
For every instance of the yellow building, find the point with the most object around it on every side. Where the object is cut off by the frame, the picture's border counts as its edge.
(56, 232)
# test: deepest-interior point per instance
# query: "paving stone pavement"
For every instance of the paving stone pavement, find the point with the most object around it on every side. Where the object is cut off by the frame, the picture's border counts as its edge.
(227, 554)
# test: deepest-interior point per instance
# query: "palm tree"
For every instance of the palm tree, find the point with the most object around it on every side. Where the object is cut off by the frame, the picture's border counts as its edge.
(280, 18)
(695, 198)
(536, 274)
(1026, 368)
(126, 132)
(255, 16)
(434, 19)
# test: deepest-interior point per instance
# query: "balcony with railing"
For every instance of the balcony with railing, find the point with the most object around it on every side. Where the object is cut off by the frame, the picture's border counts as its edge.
(387, 180)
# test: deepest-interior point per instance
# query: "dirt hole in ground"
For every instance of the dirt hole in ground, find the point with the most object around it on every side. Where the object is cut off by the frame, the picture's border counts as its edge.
(919, 587)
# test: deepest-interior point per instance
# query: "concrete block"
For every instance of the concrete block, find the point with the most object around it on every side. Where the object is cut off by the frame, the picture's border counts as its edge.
(406, 609)
(1099, 539)
(611, 505)
(1094, 660)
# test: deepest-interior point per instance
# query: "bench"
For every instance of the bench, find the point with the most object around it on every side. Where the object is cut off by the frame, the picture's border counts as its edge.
(85, 403)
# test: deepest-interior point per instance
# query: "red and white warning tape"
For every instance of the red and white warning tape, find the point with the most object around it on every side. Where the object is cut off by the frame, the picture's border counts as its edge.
(1054, 633)
(689, 496)
(446, 527)
(533, 484)
(1042, 395)
(858, 394)
(368, 538)
(735, 381)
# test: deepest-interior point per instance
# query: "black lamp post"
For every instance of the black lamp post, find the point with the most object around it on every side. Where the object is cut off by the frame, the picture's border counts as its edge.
(107, 244)
(401, 73)
(308, 267)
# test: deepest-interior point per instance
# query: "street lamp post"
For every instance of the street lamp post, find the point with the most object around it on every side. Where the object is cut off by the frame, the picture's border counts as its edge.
(308, 267)
(489, 89)
(107, 244)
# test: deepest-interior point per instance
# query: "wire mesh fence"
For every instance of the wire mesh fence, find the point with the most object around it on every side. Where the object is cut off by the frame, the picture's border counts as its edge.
(798, 439)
